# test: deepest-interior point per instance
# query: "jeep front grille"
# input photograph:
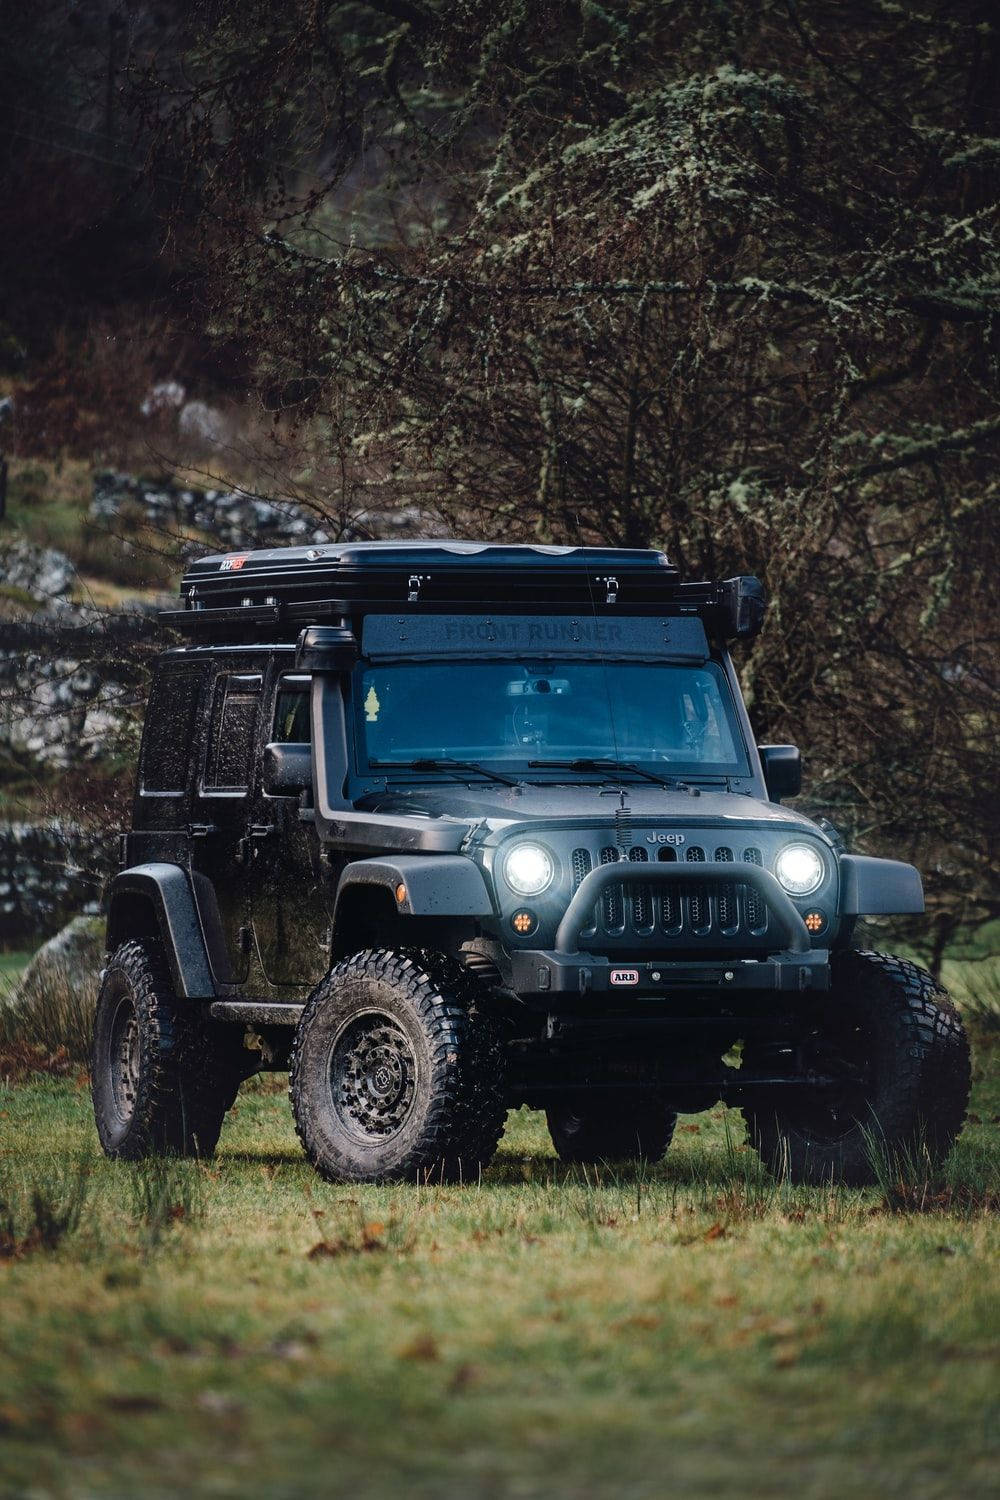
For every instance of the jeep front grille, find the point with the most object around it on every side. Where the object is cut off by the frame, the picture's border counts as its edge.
(692, 909)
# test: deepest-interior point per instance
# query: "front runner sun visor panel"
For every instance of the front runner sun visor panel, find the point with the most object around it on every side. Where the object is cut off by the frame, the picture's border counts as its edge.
(627, 638)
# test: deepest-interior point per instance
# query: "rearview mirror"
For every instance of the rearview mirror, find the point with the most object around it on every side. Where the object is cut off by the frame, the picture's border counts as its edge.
(287, 769)
(534, 687)
(782, 770)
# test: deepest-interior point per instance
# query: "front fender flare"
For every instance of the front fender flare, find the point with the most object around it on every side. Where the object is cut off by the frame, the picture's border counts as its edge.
(167, 889)
(879, 887)
(436, 885)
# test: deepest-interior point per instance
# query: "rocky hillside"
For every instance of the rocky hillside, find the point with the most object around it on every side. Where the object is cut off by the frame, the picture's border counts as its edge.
(77, 626)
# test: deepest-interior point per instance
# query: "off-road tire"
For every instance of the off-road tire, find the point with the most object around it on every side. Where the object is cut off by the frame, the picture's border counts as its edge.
(914, 1103)
(395, 1073)
(626, 1127)
(160, 1084)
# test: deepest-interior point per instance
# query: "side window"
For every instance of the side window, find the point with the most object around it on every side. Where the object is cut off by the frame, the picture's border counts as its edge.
(291, 712)
(169, 733)
(233, 732)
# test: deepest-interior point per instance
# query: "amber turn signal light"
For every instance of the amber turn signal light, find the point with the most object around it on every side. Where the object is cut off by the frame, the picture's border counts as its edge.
(400, 893)
(524, 922)
(815, 921)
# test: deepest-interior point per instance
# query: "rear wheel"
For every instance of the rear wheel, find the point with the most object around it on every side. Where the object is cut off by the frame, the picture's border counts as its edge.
(616, 1128)
(160, 1084)
(395, 1075)
(895, 1035)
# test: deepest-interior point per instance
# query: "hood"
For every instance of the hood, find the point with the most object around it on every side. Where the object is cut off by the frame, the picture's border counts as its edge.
(505, 808)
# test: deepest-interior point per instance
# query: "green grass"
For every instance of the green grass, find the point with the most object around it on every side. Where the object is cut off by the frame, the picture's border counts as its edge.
(692, 1329)
(12, 966)
(48, 504)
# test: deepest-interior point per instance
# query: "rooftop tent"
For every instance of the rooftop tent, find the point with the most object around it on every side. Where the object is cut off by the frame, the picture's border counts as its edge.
(274, 592)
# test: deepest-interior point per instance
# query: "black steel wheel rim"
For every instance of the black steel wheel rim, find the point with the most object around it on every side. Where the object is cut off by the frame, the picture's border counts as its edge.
(373, 1077)
(124, 1057)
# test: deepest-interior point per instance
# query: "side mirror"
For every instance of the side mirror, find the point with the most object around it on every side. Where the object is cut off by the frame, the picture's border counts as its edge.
(782, 770)
(286, 769)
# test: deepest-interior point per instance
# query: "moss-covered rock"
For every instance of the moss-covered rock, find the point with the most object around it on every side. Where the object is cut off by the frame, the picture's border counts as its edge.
(53, 1006)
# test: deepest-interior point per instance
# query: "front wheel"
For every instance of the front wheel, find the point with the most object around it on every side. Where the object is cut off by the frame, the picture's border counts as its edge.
(395, 1076)
(899, 1041)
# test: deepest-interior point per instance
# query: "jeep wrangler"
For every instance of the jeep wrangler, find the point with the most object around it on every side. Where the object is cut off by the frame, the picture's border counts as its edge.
(447, 828)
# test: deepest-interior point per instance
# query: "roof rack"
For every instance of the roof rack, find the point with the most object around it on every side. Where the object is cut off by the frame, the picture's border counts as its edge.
(272, 594)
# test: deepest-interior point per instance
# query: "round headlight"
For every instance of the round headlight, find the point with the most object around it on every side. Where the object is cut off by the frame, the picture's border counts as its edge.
(528, 869)
(799, 869)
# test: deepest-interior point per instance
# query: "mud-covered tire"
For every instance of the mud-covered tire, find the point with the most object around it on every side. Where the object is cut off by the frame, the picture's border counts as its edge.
(629, 1127)
(159, 1082)
(895, 1016)
(395, 1074)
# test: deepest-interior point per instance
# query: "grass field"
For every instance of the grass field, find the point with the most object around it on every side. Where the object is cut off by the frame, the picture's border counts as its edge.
(240, 1328)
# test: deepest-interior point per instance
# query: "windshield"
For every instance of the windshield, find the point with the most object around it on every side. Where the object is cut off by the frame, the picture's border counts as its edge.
(669, 718)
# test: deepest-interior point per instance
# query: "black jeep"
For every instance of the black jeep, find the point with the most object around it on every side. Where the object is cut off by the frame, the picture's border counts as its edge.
(445, 828)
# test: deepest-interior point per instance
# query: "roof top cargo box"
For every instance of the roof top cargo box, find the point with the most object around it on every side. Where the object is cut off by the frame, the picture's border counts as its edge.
(271, 594)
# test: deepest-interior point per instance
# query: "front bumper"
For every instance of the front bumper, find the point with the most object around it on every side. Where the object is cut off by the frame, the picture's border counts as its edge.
(794, 966)
(541, 973)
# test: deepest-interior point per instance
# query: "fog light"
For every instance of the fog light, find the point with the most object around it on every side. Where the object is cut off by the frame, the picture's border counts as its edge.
(524, 922)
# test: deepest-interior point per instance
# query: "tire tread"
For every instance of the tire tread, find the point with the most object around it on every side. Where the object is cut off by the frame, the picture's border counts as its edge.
(464, 1118)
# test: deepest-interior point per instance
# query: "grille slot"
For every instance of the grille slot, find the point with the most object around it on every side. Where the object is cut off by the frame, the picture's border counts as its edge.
(729, 911)
(756, 910)
(698, 900)
(642, 895)
(582, 866)
(613, 900)
(670, 896)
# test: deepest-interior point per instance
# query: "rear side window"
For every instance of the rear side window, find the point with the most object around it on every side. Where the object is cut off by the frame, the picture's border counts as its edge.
(233, 732)
(169, 733)
(291, 712)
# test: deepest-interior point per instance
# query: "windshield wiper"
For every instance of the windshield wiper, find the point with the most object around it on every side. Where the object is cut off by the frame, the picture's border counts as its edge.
(604, 766)
(440, 763)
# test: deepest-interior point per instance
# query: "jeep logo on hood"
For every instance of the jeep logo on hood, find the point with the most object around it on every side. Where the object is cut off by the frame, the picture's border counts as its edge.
(665, 838)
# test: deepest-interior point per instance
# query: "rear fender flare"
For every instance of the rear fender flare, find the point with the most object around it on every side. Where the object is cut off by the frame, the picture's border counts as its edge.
(156, 900)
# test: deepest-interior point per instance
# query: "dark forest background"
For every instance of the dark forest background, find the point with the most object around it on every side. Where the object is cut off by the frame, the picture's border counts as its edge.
(721, 278)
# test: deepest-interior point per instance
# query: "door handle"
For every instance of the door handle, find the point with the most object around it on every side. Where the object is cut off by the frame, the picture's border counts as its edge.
(249, 845)
(202, 830)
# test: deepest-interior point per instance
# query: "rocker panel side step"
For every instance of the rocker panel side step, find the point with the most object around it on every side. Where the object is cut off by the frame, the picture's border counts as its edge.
(257, 1012)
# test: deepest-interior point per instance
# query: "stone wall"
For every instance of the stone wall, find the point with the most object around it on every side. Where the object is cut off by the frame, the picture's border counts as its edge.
(48, 872)
(229, 519)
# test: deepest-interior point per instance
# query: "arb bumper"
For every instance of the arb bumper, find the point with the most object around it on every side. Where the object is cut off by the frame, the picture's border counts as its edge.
(793, 965)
